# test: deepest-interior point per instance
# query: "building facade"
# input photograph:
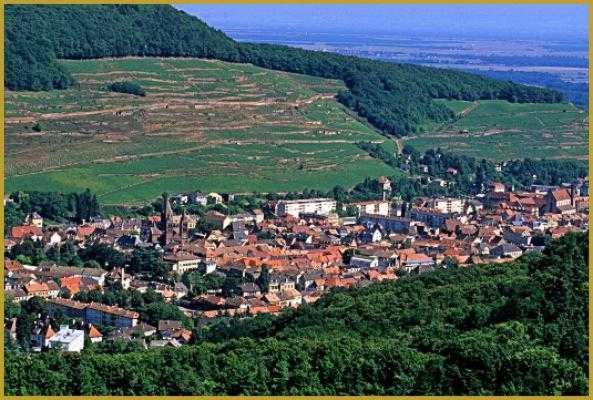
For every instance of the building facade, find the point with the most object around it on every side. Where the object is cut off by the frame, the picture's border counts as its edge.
(319, 206)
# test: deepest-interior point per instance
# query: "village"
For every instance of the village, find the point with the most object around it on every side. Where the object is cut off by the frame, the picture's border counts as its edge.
(289, 253)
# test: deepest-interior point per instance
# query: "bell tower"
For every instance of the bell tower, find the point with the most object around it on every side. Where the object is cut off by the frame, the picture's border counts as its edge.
(166, 214)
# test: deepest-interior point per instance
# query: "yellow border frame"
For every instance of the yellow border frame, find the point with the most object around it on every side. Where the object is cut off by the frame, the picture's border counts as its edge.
(370, 2)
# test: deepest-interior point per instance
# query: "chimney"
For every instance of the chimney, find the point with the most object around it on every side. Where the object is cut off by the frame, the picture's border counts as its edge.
(572, 195)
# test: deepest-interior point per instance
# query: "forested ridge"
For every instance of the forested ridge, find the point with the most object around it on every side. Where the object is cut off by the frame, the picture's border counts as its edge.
(395, 98)
(505, 329)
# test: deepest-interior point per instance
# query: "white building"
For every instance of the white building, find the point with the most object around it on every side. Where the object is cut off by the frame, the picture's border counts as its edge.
(378, 207)
(36, 220)
(318, 206)
(182, 262)
(199, 198)
(448, 205)
(67, 339)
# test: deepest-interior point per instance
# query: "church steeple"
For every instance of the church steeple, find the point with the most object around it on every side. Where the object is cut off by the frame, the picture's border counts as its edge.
(166, 214)
(182, 225)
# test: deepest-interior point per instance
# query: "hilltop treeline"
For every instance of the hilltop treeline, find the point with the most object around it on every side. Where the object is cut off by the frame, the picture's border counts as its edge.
(511, 329)
(35, 36)
(397, 99)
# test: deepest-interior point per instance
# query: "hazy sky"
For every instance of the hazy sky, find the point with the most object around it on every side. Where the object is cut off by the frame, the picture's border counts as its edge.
(482, 20)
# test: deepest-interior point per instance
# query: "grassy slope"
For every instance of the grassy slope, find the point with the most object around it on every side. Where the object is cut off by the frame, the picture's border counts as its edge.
(205, 125)
(500, 130)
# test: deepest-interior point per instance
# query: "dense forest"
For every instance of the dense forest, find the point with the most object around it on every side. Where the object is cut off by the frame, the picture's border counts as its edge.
(518, 328)
(53, 206)
(395, 98)
(575, 92)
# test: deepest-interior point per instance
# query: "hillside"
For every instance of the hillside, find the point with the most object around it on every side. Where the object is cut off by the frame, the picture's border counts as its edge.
(498, 130)
(203, 124)
(507, 329)
(396, 99)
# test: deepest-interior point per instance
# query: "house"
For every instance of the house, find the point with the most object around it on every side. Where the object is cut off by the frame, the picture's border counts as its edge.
(217, 219)
(180, 290)
(53, 238)
(183, 336)
(168, 325)
(199, 199)
(378, 207)
(75, 284)
(309, 279)
(142, 330)
(94, 335)
(11, 267)
(40, 337)
(67, 339)
(215, 198)
(473, 207)
(50, 271)
(448, 205)
(207, 267)
(280, 282)
(385, 183)
(258, 216)
(518, 235)
(154, 344)
(182, 262)
(85, 230)
(410, 261)
(560, 201)
(249, 290)
(373, 235)
(506, 250)
(429, 216)
(181, 199)
(290, 298)
(387, 224)
(26, 232)
(35, 220)
(363, 262)
(496, 187)
(42, 289)
(239, 231)
(118, 275)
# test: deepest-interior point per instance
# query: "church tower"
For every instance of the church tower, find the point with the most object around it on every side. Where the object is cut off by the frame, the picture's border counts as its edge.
(183, 225)
(166, 214)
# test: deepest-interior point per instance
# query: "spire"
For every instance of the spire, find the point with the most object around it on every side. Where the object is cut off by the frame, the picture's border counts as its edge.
(166, 214)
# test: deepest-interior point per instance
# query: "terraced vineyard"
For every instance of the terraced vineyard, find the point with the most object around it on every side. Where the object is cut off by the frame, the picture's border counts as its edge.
(204, 125)
(499, 130)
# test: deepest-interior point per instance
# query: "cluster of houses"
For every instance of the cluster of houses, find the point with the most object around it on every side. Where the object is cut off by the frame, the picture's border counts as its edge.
(294, 253)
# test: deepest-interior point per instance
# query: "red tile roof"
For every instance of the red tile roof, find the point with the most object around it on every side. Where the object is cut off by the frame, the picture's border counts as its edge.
(94, 332)
(19, 232)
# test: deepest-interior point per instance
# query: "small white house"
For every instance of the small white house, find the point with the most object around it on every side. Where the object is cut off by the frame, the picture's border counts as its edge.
(67, 339)
(200, 199)
(55, 239)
